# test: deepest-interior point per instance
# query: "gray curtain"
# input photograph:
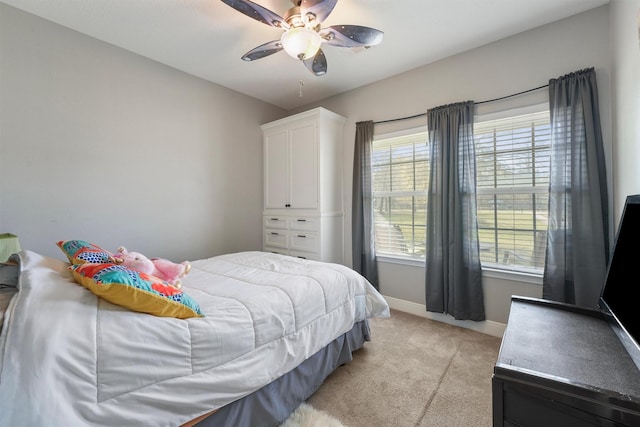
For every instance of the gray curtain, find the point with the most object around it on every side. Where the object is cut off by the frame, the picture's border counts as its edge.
(364, 252)
(577, 250)
(453, 271)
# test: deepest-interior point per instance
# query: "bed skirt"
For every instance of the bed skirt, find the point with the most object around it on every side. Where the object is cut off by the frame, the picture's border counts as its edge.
(271, 405)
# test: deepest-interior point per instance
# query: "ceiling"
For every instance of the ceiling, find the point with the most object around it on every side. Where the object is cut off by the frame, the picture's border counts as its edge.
(206, 38)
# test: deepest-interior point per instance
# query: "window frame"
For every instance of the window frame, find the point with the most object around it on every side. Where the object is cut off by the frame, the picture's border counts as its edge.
(489, 269)
(498, 268)
(415, 130)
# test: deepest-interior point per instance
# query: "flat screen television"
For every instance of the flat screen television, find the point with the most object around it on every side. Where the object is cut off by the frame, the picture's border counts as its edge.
(618, 299)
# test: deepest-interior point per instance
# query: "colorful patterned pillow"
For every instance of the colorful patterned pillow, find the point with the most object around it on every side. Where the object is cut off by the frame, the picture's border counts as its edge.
(79, 252)
(135, 290)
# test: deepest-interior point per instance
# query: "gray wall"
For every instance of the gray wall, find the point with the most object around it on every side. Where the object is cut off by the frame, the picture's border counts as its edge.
(625, 76)
(101, 144)
(524, 61)
(86, 130)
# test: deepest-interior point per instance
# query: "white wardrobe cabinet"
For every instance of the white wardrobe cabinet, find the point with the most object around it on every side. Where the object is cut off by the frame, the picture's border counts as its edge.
(303, 211)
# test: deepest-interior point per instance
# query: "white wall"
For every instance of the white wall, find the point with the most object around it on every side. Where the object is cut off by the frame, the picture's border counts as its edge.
(101, 144)
(625, 77)
(518, 63)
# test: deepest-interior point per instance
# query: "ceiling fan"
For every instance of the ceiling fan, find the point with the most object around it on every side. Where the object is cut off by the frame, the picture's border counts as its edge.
(303, 34)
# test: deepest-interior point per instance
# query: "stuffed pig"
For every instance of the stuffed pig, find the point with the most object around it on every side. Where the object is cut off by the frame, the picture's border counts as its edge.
(161, 268)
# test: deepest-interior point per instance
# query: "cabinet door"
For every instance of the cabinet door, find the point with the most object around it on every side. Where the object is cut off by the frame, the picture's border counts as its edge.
(276, 180)
(303, 164)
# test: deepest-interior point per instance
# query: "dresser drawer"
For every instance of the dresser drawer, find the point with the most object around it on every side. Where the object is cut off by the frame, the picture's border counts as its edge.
(275, 221)
(276, 238)
(315, 256)
(304, 223)
(274, 250)
(304, 241)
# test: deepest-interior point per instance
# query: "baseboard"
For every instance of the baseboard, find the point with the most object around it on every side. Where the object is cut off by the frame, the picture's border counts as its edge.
(488, 327)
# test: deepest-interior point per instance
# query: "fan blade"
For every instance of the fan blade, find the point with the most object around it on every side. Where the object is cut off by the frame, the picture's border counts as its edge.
(257, 12)
(318, 64)
(315, 11)
(351, 36)
(263, 50)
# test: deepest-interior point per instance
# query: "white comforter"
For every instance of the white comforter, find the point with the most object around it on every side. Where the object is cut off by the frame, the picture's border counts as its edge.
(68, 358)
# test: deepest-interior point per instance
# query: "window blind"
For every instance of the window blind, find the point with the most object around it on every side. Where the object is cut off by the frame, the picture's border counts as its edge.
(400, 172)
(513, 161)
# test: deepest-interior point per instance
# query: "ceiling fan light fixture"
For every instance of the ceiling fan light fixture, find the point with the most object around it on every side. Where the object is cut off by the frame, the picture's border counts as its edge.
(301, 43)
(303, 33)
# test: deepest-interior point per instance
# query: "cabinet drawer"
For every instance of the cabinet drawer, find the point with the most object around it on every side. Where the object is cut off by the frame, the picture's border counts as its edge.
(275, 221)
(277, 238)
(304, 223)
(304, 241)
(306, 255)
(530, 406)
(274, 250)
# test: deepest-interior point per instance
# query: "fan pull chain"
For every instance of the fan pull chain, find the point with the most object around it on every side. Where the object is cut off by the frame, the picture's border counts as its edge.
(300, 89)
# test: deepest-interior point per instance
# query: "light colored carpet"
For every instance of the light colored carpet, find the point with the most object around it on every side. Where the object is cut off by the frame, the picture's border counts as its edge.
(306, 416)
(415, 372)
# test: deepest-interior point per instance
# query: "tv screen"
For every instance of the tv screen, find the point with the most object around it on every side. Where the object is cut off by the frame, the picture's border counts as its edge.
(618, 298)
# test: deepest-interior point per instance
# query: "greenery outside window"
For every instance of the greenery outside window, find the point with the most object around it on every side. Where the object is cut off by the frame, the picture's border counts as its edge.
(513, 164)
(400, 173)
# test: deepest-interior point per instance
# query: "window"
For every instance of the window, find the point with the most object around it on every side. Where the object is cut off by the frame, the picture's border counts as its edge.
(400, 172)
(513, 163)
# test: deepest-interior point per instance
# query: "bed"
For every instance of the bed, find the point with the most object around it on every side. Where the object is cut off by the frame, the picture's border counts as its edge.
(273, 327)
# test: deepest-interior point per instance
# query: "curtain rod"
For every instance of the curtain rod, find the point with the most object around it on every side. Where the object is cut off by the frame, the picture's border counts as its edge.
(475, 103)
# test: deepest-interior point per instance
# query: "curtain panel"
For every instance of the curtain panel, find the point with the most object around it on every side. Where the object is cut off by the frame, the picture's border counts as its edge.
(453, 272)
(363, 243)
(577, 252)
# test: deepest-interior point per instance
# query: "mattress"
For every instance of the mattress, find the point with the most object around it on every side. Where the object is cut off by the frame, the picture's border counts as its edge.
(70, 358)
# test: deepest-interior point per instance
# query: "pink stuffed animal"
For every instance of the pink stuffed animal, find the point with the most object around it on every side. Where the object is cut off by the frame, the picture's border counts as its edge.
(162, 268)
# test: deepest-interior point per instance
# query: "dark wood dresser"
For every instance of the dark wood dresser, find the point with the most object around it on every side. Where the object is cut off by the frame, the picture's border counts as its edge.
(562, 365)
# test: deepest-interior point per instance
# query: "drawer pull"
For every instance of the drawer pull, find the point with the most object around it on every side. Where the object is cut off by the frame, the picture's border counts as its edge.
(302, 220)
(302, 257)
(274, 233)
(302, 235)
(273, 219)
